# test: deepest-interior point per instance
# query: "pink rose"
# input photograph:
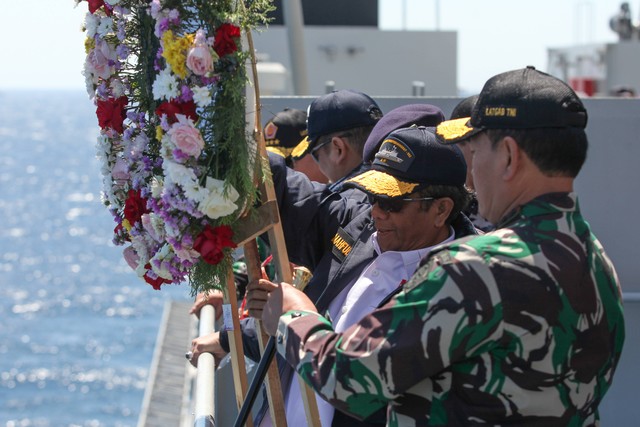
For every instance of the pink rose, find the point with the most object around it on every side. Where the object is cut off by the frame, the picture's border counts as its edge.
(120, 172)
(186, 137)
(101, 60)
(131, 257)
(200, 60)
(201, 57)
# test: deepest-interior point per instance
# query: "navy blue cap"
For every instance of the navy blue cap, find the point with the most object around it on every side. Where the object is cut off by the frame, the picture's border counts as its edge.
(401, 117)
(410, 159)
(339, 111)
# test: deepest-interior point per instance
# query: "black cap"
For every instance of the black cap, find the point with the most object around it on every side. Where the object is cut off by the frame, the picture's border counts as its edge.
(285, 131)
(464, 107)
(339, 111)
(409, 159)
(519, 99)
(401, 117)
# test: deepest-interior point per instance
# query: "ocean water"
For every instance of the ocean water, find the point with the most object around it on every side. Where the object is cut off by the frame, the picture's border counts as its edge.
(77, 327)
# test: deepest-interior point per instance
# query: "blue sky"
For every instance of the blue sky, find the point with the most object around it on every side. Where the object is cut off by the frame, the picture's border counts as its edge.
(41, 45)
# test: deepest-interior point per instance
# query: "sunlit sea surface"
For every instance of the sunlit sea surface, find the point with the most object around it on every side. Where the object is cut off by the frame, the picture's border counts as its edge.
(77, 327)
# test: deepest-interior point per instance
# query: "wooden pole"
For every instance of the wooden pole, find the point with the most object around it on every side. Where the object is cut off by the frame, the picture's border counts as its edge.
(276, 236)
(231, 319)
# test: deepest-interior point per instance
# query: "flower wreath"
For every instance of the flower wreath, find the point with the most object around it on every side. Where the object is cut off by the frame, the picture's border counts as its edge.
(167, 78)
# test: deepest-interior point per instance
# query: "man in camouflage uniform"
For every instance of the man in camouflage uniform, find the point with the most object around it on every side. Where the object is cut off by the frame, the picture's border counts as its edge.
(520, 326)
(463, 109)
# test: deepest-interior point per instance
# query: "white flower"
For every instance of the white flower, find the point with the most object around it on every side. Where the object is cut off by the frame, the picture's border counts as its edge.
(91, 23)
(156, 7)
(139, 245)
(202, 96)
(154, 226)
(165, 86)
(176, 173)
(105, 26)
(187, 254)
(88, 82)
(117, 88)
(215, 203)
(156, 187)
(139, 144)
(161, 261)
(112, 2)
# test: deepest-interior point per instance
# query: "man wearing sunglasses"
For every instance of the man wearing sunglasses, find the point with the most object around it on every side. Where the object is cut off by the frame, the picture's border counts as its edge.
(407, 224)
(416, 190)
(520, 326)
(338, 125)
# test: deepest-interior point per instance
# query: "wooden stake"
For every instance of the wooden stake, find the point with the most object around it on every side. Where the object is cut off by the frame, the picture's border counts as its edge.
(238, 367)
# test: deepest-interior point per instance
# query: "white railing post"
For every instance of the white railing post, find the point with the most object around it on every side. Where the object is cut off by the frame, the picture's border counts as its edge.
(203, 414)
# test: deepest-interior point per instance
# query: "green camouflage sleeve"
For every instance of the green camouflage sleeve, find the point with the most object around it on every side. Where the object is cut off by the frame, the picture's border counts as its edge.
(442, 315)
(524, 324)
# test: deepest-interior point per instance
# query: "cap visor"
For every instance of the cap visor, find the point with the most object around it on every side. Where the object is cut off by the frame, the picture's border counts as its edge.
(301, 150)
(382, 184)
(278, 150)
(452, 131)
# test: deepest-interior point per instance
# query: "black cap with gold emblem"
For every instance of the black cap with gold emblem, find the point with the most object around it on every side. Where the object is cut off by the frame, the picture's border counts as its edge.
(519, 99)
(285, 131)
(409, 159)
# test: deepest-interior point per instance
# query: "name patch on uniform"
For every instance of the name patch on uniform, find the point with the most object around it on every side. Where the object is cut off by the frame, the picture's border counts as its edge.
(342, 244)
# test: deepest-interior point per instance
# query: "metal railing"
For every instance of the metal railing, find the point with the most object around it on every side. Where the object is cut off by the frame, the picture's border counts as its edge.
(204, 383)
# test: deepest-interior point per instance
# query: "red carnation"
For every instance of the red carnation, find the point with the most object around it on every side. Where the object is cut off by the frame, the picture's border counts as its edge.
(211, 243)
(171, 108)
(97, 4)
(111, 113)
(134, 207)
(225, 39)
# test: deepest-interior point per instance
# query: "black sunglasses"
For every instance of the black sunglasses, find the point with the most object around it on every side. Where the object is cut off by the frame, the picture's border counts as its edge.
(395, 204)
(314, 150)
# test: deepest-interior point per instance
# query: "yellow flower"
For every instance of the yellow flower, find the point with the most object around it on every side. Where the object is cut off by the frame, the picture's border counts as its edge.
(89, 44)
(175, 50)
(127, 225)
(159, 133)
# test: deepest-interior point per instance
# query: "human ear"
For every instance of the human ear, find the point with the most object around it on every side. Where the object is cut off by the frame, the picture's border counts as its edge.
(340, 148)
(512, 153)
(443, 207)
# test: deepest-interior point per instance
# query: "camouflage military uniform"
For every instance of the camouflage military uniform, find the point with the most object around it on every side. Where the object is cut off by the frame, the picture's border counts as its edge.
(520, 326)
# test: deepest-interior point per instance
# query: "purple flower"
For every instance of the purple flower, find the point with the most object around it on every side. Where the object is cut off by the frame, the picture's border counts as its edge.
(103, 90)
(180, 156)
(164, 123)
(121, 34)
(128, 133)
(186, 94)
(122, 51)
(161, 26)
